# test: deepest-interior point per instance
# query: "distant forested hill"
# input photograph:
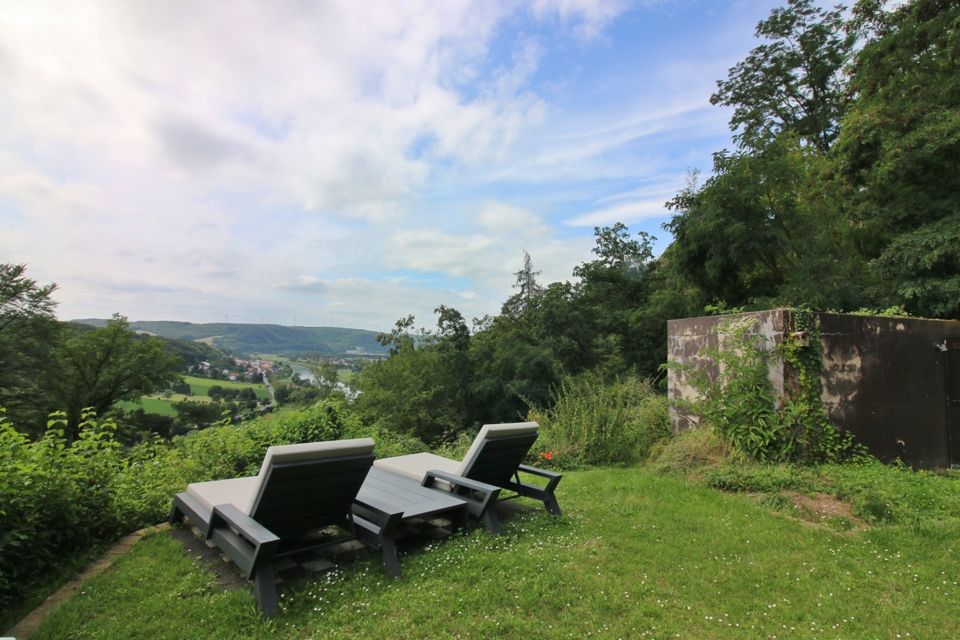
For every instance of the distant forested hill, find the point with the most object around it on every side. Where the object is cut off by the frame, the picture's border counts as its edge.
(242, 339)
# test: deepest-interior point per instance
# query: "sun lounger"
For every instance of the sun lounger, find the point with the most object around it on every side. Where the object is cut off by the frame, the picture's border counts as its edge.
(495, 458)
(256, 520)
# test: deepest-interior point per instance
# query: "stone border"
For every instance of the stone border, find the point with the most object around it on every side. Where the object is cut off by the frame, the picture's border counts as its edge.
(29, 625)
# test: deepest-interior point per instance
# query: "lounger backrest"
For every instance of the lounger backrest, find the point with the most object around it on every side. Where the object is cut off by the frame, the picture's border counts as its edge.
(311, 485)
(497, 451)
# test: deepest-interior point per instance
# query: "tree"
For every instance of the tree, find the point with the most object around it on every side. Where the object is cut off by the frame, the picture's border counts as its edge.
(795, 81)
(452, 329)
(96, 368)
(899, 153)
(528, 289)
(28, 330)
(410, 392)
(399, 337)
(769, 228)
(612, 287)
(325, 375)
(200, 414)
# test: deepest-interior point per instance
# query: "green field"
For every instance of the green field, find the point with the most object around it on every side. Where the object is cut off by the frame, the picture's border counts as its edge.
(200, 386)
(164, 406)
(160, 406)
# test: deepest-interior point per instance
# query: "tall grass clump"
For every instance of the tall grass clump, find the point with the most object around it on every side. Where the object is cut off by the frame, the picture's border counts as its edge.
(694, 451)
(593, 421)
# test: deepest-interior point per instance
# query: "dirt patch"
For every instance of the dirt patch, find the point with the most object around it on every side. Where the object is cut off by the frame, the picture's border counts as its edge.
(823, 509)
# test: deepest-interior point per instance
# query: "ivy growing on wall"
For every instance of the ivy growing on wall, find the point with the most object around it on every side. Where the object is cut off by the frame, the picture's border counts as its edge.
(815, 438)
(737, 397)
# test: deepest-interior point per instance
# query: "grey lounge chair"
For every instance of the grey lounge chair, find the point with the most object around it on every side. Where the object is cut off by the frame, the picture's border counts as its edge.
(256, 520)
(494, 458)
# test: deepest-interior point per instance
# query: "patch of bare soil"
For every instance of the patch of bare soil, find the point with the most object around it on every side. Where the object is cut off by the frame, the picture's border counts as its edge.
(824, 510)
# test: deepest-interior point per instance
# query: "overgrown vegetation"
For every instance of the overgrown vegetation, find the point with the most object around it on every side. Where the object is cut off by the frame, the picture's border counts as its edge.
(880, 494)
(590, 422)
(848, 202)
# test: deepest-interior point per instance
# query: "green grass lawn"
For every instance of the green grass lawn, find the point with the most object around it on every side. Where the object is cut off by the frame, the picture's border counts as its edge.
(636, 555)
(200, 386)
(161, 406)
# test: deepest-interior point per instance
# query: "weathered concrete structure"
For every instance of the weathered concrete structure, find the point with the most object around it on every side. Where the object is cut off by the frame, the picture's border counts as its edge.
(894, 383)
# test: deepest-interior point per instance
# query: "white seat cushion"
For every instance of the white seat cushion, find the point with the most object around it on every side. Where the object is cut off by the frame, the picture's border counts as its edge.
(492, 432)
(239, 492)
(315, 451)
(416, 465)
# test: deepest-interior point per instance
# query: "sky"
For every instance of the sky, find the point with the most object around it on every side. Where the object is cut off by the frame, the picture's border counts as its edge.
(344, 162)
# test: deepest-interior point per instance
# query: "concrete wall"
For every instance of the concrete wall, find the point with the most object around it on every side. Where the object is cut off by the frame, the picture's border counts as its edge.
(886, 381)
(892, 382)
(687, 337)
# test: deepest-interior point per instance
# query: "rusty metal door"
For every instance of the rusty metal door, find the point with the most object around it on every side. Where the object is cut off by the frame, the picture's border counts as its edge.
(952, 359)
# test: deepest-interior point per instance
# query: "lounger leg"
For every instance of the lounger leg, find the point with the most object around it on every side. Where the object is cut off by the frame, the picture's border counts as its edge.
(458, 520)
(550, 502)
(175, 515)
(390, 561)
(265, 588)
(490, 521)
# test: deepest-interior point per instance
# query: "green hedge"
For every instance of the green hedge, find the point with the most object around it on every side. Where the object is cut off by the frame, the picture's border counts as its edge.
(58, 498)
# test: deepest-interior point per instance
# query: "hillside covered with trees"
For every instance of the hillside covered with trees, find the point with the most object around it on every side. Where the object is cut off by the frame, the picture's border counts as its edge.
(246, 339)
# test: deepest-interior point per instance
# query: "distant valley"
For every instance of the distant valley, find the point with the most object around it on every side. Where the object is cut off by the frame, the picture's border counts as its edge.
(245, 339)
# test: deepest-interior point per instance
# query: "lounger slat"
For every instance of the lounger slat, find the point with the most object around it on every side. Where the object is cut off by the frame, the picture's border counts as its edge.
(499, 458)
(284, 494)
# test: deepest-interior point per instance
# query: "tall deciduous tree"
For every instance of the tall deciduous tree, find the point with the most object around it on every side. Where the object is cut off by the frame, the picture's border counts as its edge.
(899, 152)
(762, 230)
(794, 81)
(28, 330)
(99, 367)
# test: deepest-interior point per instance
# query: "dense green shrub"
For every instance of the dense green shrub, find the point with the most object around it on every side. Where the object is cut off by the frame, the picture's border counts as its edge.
(593, 422)
(57, 499)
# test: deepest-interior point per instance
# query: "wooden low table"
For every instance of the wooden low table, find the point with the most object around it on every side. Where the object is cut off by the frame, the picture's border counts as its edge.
(387, 500)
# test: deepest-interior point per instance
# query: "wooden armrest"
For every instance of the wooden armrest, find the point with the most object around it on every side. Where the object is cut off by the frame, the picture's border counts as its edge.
(246, 526)
(380, 506)
(459, 481)
(543, 473)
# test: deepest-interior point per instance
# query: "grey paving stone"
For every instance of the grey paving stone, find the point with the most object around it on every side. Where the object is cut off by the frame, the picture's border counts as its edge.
(318, 565)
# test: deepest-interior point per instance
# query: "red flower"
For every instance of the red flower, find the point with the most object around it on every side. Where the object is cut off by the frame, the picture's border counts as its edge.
(547, 455)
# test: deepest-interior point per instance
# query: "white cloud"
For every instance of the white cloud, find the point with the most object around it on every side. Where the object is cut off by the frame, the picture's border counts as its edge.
(179, 160)
(626, 213)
